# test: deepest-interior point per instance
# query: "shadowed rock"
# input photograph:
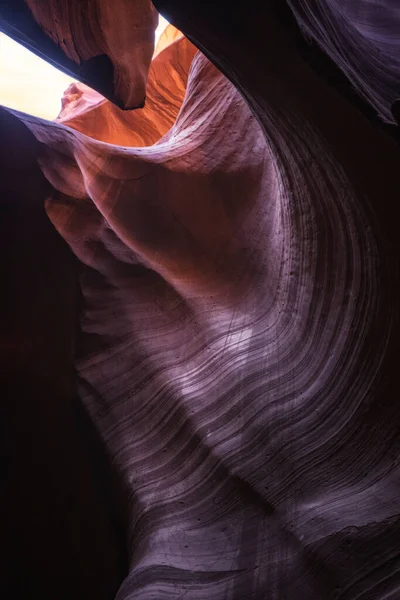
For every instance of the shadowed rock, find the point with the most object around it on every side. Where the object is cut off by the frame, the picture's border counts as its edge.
(236, 348)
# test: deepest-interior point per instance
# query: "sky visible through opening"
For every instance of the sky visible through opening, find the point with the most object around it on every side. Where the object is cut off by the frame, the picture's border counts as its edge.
(30, 84)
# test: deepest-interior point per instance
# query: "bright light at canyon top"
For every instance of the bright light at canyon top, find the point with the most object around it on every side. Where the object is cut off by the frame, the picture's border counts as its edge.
(30, 84)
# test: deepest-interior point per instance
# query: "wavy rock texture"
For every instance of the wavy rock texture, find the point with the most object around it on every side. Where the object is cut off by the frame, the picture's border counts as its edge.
(237, 343)
(122, 34)
(87, 111)
(362, 38)
(107, 47)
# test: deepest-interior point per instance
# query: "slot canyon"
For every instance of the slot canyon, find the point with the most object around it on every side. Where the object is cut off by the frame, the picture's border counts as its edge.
(200, 328)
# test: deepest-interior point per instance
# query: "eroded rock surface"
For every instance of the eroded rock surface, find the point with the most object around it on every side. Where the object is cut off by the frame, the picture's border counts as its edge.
(234, 247)
(87, 111)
